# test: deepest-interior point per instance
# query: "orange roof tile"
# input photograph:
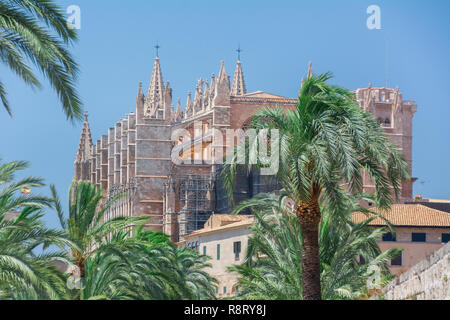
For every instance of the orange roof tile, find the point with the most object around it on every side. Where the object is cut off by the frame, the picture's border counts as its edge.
(408, 215)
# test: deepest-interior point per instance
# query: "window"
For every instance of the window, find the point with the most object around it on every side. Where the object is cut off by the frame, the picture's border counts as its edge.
(397, 261)
(445, 237)
(236, 249)
(224, 290)
(218, 252)
(217, 290)
(389, 237)
(418, 237)
(204, 250)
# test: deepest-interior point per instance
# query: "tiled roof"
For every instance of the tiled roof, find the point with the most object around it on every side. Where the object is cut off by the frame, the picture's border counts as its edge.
(408, 215)
(441, 206)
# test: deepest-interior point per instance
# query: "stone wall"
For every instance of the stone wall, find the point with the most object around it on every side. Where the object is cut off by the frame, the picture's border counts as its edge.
(427, 280)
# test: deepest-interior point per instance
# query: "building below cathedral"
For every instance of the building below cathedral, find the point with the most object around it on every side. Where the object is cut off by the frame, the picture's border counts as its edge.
(135, 156)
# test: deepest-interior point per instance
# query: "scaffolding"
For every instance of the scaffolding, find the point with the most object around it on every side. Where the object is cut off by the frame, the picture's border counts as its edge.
(247, 185)
(263, 184)
(196, 202)
(200, 195)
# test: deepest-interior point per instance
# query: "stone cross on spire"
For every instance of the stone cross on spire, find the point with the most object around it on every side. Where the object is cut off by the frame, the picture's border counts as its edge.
(239, 50)
(155, 95)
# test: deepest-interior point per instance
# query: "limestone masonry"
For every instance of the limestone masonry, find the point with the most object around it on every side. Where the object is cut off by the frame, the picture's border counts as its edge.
(134, 157)
(427, 280)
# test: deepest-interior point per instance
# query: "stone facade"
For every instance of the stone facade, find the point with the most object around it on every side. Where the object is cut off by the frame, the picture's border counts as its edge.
(217, 240)
(427, 280)
(222, 231)
(413, 252)
(135, 156)
(395, 116)
(418, 230)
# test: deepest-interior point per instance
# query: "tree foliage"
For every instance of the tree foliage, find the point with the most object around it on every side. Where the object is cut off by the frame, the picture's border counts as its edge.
(273, 265)
(35, 31)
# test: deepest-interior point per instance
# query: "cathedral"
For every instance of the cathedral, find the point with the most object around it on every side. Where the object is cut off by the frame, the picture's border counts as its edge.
(135, 157)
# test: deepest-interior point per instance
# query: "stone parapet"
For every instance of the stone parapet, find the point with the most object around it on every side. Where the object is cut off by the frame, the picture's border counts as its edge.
(427, 280)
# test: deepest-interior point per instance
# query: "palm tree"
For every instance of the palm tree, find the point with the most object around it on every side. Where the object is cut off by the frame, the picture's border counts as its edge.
(195, 282)
(272, 269)
(36, 31)
(111, 270)
(119, 262)
(146, 266)
(84, 226)
(25, 274)
(327, 142)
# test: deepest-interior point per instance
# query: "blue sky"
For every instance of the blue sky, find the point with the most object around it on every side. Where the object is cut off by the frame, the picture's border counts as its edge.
(278, 38)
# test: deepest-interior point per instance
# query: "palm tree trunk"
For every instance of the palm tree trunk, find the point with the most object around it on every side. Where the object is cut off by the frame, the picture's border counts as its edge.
(81, 268)
(311, 262)
(308, 215)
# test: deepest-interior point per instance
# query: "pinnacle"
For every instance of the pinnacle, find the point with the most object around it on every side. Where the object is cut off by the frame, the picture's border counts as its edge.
(238, 87)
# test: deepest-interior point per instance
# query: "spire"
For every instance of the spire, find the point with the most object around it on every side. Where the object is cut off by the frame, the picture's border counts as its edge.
(155, 95)
(212, 89)
(222, 88)
(168, 102)
(139, 99)
(140, 93)
(238, 87)
(206, 95)
(178, 113)
(188, 109)
(301, 85)
(198, 96)
(310, 73)
(84, 151)
(222, 73)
